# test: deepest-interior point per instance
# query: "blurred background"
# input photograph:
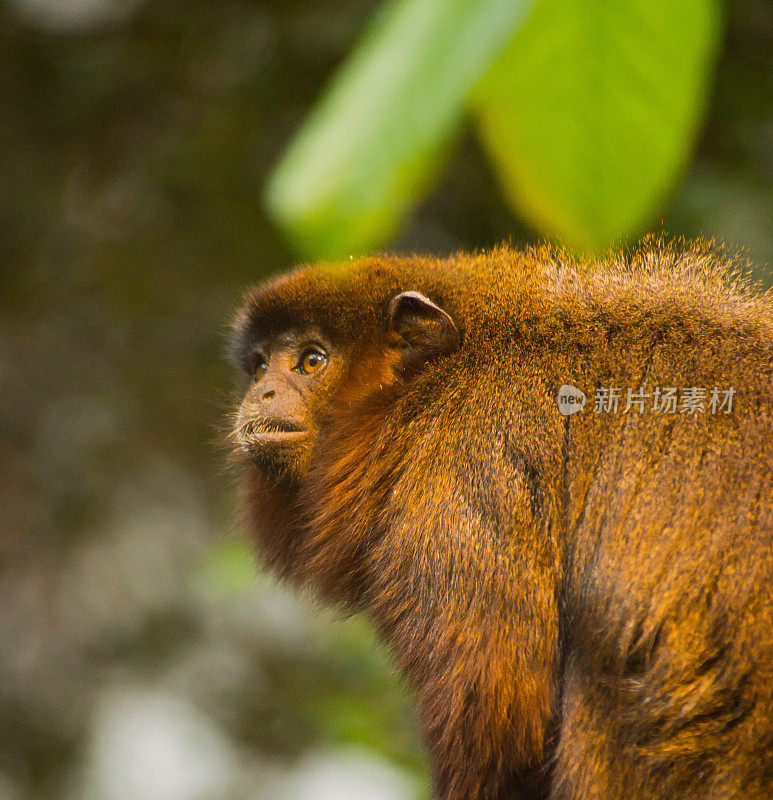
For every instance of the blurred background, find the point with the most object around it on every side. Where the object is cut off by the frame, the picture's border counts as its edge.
(152, 155)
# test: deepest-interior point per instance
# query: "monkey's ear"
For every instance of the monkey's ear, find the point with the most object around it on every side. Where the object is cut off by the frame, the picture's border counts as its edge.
(422, 325)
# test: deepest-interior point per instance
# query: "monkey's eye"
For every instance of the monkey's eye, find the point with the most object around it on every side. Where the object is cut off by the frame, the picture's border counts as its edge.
(259, 366)
(312, 360)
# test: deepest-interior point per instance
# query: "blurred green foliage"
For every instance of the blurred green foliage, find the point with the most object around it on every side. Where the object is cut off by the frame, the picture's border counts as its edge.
(589, 114)
(373, 145)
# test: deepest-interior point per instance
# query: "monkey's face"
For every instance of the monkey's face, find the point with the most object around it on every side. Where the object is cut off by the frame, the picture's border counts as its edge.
(293, 377)
(302, 375)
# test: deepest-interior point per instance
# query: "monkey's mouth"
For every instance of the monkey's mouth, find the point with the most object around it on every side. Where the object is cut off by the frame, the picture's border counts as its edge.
(261, 435)
(279, 437)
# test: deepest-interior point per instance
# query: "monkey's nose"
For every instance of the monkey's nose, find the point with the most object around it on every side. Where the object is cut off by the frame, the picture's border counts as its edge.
(268, 395)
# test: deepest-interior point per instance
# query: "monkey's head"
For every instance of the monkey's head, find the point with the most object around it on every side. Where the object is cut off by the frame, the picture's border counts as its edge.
(316, 342)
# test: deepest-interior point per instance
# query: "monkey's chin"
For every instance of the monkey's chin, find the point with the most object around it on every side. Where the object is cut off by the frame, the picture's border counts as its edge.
(278, 454)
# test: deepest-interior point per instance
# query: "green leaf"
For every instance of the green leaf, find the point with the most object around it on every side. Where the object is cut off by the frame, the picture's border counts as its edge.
(592, 110)
(376, 140)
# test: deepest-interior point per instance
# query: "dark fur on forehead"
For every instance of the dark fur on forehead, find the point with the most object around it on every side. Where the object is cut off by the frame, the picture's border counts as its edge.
(346, 301)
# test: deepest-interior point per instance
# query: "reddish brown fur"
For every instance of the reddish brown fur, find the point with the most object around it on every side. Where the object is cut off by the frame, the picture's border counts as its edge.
(581, 603)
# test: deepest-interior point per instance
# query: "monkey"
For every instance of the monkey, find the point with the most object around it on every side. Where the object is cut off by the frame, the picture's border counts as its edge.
(580, 602)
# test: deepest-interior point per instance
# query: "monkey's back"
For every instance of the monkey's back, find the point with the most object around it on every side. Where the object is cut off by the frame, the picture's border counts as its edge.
(665, 519)
(667, 618)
